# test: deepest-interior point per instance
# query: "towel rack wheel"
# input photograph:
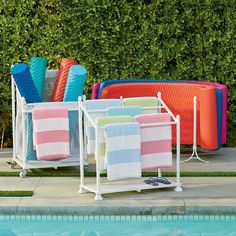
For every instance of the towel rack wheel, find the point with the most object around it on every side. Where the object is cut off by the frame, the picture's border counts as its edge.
(23, 173)
(11, 164)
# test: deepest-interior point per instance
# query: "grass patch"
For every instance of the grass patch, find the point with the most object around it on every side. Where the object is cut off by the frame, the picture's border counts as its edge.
(192, 174)
(16, 193)
(74, 173)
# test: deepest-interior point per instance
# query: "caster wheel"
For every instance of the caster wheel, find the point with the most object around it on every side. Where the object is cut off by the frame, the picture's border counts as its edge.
(23, 173)
(11, 164)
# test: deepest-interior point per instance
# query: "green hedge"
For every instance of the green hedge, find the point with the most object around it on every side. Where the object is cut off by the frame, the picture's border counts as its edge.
(177, 39)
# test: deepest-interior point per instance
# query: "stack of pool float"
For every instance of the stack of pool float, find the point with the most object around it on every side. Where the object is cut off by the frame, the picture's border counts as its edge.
(30, 81)
(178, 95)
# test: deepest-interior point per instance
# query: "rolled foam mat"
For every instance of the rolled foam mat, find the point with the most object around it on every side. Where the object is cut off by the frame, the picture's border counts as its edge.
(224, 95)
(207, 124)
(38, 66)
(75, 83)
(60, 85)
(179, 98)
(24, 83)
(221, 96)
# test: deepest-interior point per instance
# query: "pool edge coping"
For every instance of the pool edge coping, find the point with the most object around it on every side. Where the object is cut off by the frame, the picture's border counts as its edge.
(118, 210)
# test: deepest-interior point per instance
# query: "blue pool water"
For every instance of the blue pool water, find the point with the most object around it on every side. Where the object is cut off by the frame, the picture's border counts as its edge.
(38, 225)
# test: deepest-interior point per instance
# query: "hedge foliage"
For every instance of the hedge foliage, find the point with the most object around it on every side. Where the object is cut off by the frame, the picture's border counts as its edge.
(177, 39)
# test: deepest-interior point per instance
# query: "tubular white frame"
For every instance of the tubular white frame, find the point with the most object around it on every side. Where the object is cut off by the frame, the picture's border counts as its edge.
(100, 188)
(26, 108)
(194, 155)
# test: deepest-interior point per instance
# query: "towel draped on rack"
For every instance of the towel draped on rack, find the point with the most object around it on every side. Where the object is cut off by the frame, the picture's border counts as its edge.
(143, 102)
(97, 108)
(101, 123)
(51, 133)
(124, 111)
(123, 151)
(156, 141)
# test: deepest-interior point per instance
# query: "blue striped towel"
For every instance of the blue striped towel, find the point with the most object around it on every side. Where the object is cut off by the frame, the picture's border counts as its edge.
(124, 111)
(123, 152)
(101, 123)
(99, 107)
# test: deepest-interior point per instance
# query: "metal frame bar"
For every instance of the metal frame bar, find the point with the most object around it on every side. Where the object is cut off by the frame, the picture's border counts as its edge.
(13, 107)
(194, 155)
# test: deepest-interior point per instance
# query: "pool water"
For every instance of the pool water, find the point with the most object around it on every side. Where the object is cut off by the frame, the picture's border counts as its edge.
(41, 225)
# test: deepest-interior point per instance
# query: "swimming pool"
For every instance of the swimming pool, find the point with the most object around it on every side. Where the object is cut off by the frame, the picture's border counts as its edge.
(167, 225)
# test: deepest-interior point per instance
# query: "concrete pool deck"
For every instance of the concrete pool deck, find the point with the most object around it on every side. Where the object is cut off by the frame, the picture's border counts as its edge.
(60, 194)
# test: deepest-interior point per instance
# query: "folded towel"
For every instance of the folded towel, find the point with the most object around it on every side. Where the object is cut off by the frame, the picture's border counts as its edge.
(123, 151)
(97, 108)
(51, 133)
(101, 122)
(142, 102)
(124, 111)
(156, 141)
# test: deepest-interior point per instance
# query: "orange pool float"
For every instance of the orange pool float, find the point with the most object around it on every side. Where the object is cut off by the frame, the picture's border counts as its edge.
(179, 98)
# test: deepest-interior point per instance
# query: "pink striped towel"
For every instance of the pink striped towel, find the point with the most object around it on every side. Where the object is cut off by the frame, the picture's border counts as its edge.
(51, 133)
(156, 141)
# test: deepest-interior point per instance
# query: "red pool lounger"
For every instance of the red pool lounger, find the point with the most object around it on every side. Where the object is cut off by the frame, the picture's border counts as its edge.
(179, 98)
(221, 96)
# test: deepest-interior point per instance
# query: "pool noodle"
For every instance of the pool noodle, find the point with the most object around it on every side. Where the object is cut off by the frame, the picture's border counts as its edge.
(75, 83)
(60, 85)
(38, 66)
(24, 83)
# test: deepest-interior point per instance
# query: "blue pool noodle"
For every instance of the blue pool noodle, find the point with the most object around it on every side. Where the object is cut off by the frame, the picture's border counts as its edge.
(75, 83)
(38, 66)
(24, 83)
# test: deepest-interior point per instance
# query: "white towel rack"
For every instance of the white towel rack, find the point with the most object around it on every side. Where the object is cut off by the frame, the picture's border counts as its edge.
(99, 187)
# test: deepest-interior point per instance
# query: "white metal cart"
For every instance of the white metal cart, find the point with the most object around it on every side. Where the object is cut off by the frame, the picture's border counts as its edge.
(122, 186)
(23, 153)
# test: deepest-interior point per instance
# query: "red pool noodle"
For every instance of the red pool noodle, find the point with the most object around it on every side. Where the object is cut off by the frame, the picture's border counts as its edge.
(60, 84)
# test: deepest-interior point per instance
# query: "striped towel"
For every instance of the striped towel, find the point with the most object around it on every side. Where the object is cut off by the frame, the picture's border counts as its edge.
(102, 122)
(97, 106)
(156, 141)
(142, 102)
(123, 151)
(124, 111)
(51, 133)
